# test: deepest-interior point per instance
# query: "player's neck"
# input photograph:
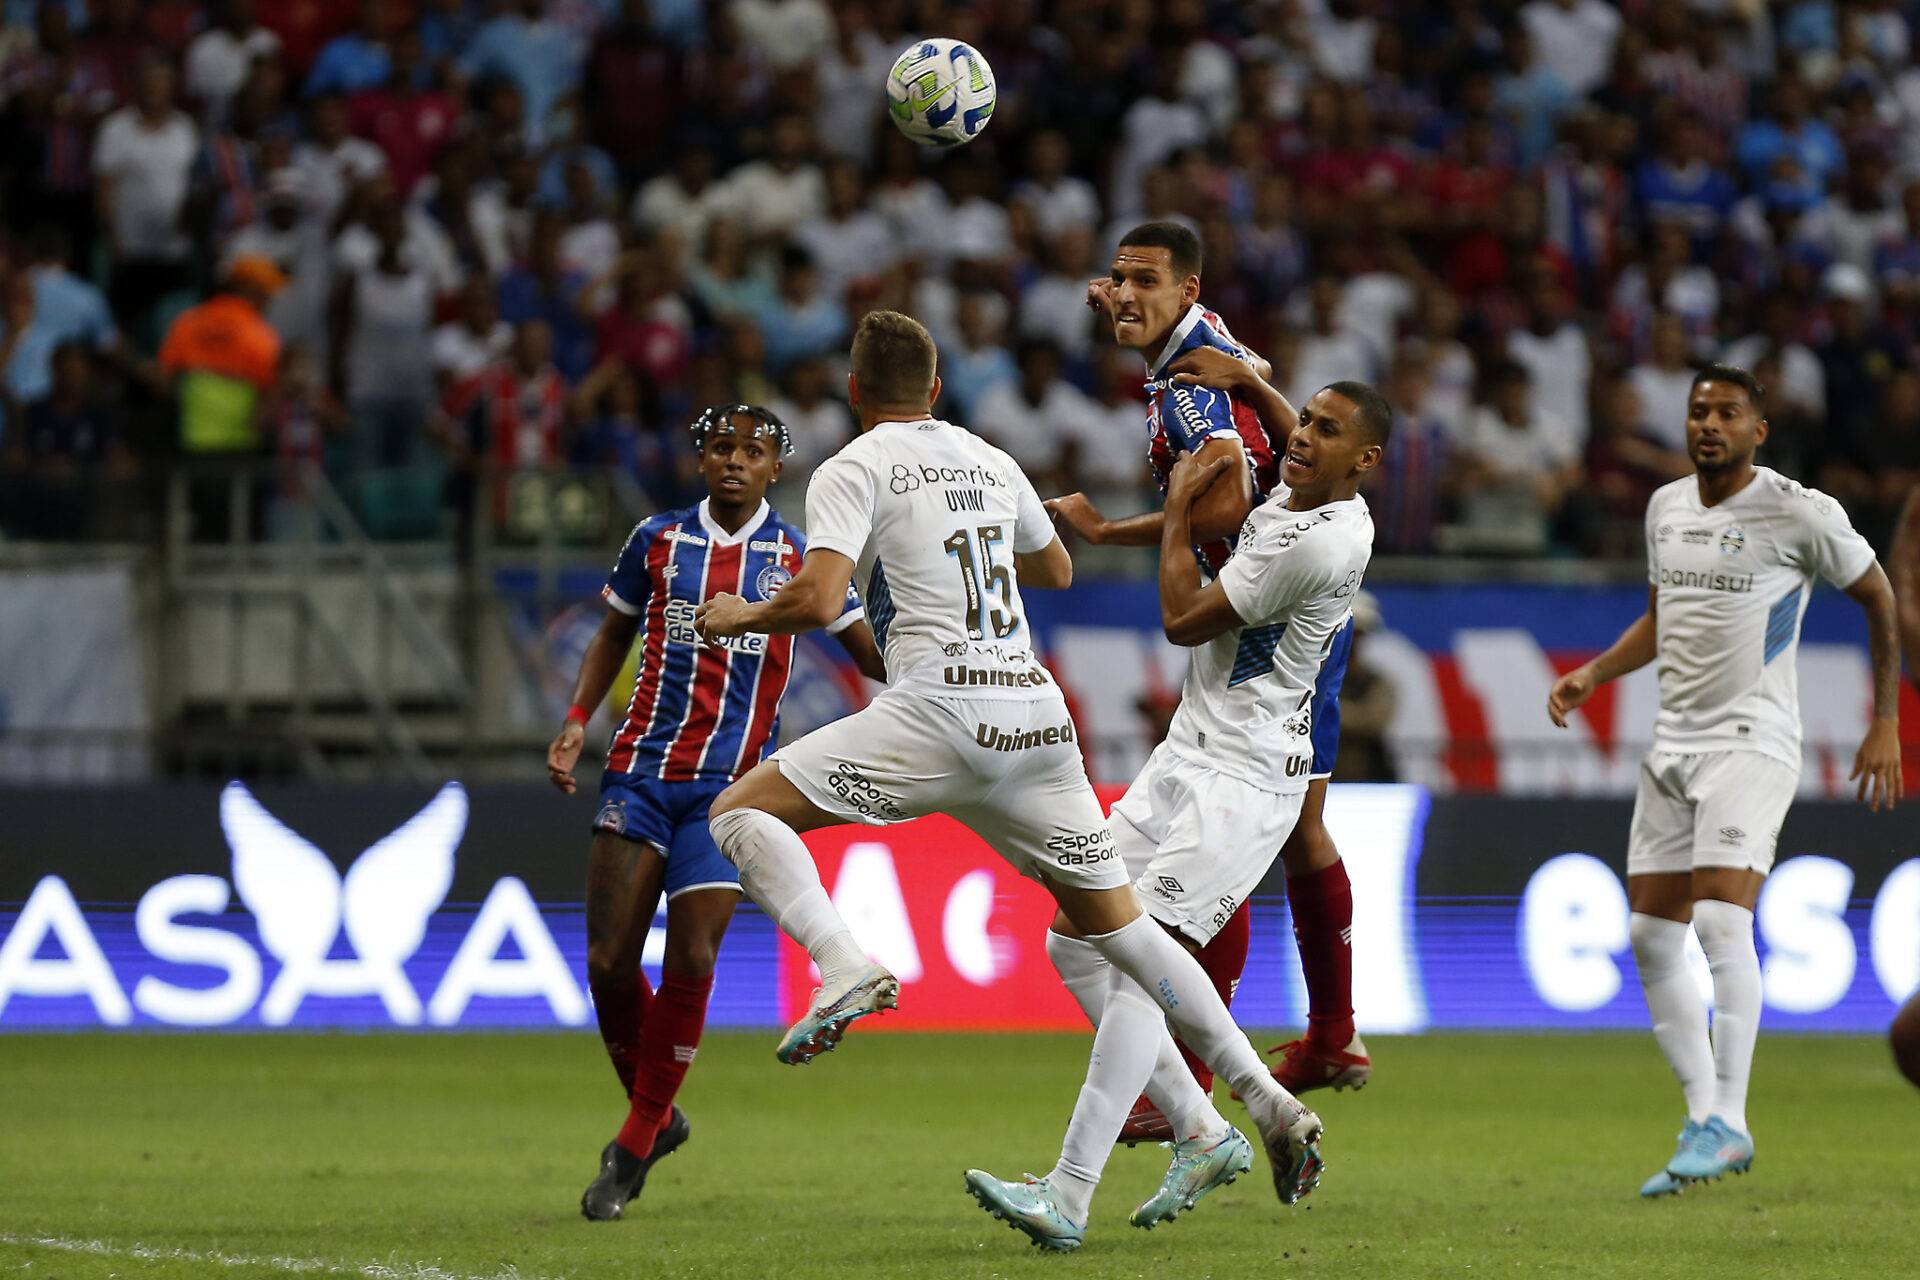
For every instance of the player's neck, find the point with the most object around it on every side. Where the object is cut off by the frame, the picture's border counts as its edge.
(732, 514)
(869, 421)
(1717, 486)
(1307, 500)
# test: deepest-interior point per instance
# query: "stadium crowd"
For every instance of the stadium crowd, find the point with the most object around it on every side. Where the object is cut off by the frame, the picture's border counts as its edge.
(411, 241)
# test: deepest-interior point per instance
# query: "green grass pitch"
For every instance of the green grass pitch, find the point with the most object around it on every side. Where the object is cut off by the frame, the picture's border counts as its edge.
(444, 1157)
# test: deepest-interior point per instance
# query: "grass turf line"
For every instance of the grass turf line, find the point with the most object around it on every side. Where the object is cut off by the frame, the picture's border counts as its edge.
(464, 1156)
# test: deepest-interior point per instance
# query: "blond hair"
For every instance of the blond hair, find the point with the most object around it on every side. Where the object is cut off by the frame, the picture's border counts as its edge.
(893, 360)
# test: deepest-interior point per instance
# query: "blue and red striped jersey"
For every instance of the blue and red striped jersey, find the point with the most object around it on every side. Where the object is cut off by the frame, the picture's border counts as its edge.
(1182, 417)
(700, 711)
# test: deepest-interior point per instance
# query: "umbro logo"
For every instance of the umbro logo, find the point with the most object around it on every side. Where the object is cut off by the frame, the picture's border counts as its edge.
(1171, 885)
(1732, 835)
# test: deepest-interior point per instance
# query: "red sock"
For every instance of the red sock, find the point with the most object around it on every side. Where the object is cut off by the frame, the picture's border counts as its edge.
(1224, 959)
(666, 1051)
(1322, 903)
(621, 1008)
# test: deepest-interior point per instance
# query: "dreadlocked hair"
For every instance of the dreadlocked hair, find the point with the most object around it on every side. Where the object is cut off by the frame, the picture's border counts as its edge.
(766, 424)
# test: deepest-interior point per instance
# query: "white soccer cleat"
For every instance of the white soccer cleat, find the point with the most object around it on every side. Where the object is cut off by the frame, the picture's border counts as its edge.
(871, 990)
(1291, 1135)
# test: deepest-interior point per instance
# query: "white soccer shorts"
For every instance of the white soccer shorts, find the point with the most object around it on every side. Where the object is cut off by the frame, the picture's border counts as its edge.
(1008, 769)
(1197, 841)
(1708, 809)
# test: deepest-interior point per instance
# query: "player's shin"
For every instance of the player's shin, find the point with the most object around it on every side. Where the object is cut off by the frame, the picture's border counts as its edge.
(1322, 906)
(1726, 935)
(666, 1050)
(1125, 1045)
(620, 1007)
(1673, 1004)
(778, 873)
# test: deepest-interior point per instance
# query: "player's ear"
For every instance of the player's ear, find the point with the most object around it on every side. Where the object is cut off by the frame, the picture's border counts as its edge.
(853, 391)
(1369, 458)
(773, 477)
(933, 396)
(1759, 433)
(1190, 291)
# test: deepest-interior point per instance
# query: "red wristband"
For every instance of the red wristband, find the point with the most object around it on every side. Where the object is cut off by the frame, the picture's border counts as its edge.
(577, 714)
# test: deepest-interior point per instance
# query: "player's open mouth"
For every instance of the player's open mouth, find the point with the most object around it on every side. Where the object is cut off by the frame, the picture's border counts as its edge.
(1299, 465)
(1127, 317)
(732, 482)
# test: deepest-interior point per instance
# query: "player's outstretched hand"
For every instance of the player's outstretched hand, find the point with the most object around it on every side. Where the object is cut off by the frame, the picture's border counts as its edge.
(1570, 692)
(1189, 479)
(720, 618)
(1210, 367)
(1100, 294)
(1078, 513)
(564, 754)
(1877, 766)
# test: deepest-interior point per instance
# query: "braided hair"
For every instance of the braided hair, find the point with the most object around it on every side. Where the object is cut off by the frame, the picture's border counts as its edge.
(766, 425)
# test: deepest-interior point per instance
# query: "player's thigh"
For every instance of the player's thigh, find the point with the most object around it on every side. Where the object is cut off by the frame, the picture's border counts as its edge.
(1740, 798)
(766, 789)
(1309, 847)
(625, 877)
(1140, 816)
(1044, 819)
(901, 756)
(1660, 841)
(1224, 837)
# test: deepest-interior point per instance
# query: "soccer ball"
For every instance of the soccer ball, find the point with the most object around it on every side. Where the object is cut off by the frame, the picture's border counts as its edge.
(940, 92)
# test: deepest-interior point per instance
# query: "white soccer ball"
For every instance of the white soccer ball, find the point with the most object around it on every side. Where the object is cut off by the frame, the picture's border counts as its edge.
(940, 92)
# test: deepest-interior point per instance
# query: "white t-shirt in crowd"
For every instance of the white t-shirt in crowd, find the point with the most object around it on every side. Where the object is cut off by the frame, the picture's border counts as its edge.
(458, 352)
(1663, 402)
(150, 169)
(218, 63)
(1035, 434)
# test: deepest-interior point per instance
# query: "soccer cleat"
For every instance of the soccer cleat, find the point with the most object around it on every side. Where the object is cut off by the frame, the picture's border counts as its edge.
(1145, 1124)
(1291, 1136)
(1198, 1167)
(1717, 1149)
(1664, 1183)
(872, 990)
(622, 1173)
(1305, 1065)
(1027, 1206)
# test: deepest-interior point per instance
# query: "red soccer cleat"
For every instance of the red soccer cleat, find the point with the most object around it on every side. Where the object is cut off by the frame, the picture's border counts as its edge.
(1305, 1065)
(1145, 1124)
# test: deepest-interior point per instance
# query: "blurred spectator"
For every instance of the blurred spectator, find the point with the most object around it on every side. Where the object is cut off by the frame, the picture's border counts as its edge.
(1159, 123)
(383, 325)
(1532, 95)
(848, 242)
(299, 418)
(294, 241)
(1553, 348)
(1575, 38)
(472, 340)
(1410, 490)
(1625, 463)
(334, 162)
(1272, 252)
(1668, 280)
(632, 87)
(1329, 352)
(1857, 361)
(63, 439)
(359, 59)
(1682, 185)
(512, 413)
(817, 417)
(1520, 467)
(784, 33)
(911, 201)
(845, 76)
(142, 160)
(648, 328)
(1801, 382)
(590, 243)
(1788, 147)
(524, 46)
(613, 434)
(1663, 384)
(1115, 456)
(221, 357)
(1045, 422)
(681, 199)
(1857, 219)
(1367, 701)
(1059, 200)
(726, 280)
(802, 320)
(403, 116)
(784, 190)
(976, 361)
(221, 57)
(1449, 365)
(65, 306)
(1055, 305)
(542, 288)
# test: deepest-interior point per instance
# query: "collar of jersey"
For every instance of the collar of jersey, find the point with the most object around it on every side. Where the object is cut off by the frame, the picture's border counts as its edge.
(1760, 475)
(720, 537)
(1177, 338)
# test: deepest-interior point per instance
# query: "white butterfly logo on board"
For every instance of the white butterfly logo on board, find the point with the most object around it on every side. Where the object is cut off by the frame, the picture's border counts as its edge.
(384, 901)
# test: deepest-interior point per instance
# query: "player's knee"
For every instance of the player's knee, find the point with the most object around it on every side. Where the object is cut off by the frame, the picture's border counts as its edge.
(606, 965)
(1657, 945)
(729, 801)
(693, 957)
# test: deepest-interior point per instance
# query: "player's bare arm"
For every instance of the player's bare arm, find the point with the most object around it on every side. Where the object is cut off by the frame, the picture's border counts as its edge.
(813, 599)
(859, 642)
(1903, 568)
(1636, 647)
(1215, 516)
(1049, 567)
(1190, 613)
(598, 667)
(1877, 765)
(1244, 379)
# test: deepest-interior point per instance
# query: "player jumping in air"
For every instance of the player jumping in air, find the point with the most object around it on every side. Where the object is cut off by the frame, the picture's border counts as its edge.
(1207, 395)
(699, 717)
(1732, 555)
(945, 531)
(1202, 824)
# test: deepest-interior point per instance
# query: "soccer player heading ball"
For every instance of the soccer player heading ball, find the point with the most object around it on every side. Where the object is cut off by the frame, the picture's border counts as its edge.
(699, 717)
(1732, 555)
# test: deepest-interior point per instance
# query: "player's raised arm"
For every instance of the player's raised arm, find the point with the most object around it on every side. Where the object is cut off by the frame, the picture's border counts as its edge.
(1903, 568)
(1636, 647)
(1190, 613)
(1246, 379)
(1877, 764)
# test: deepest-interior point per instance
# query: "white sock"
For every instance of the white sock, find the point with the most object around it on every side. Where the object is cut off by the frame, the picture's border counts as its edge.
(1726, 935)
(1679, 1019)
(1174, 980)
(1171, 1087)
(778, 874)
(1124, 1047)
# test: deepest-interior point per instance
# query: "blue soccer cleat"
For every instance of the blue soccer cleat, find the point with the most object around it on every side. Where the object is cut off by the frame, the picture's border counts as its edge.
(1664, 1183)
(872, 990)
(1717, 1149)
(1198, 1167)
(1027, 1206)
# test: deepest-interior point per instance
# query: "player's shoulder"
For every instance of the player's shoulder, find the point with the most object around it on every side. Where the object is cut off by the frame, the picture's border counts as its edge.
(1668, 494)
(1331, 533)
(777, 529)
(658, 523)
(1786, 495)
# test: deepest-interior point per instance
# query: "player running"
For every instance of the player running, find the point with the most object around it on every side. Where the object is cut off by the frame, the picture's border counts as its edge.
(1201, 825)
(1208, 395)
(698, 718)
(1732, 554)
(945, 530)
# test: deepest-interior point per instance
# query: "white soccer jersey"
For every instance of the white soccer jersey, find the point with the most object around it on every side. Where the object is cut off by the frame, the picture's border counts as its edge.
(1731, 584)
(931, 515)
(1246, 708)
